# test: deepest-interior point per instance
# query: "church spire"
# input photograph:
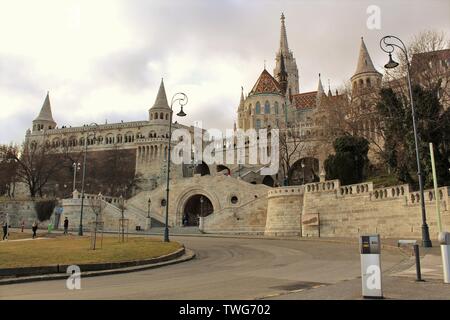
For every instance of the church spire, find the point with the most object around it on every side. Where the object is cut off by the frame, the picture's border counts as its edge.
(161, 98)
(284, 48)
(241, 102)
(320, 92)
(329, 89)
(45, 118)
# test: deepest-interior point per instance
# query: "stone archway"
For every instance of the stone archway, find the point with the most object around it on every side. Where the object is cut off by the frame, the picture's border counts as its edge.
(183, 199)
(268, 181)
(202, 169)
(305, 170)
(196, 206)
(224, 169)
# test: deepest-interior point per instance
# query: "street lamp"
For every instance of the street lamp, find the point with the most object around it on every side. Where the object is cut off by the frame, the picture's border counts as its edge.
(303, 168)
(201, 208)
(80, 230)
(389, 47)
(76, 167)
(182, 100)
(148, 214)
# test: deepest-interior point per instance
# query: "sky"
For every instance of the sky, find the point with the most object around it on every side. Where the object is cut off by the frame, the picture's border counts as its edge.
(103, 60)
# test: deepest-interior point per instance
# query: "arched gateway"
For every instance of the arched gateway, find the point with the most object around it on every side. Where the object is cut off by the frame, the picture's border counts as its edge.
(196, 206)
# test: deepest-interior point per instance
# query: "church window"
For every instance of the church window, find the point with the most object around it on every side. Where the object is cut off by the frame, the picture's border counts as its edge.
(258, 108)
(276, 107)
(267, 107)
(161, 116)
(156, 116)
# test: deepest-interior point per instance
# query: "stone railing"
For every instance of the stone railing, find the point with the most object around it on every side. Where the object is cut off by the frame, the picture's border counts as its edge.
(390, 192)
(87, 196)
(414, 197)
(356, 189)
(285, 191)
(330, 185)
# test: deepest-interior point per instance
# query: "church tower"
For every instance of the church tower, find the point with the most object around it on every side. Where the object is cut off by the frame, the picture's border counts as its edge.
(160, 111)
(286, 57)
(44, 120)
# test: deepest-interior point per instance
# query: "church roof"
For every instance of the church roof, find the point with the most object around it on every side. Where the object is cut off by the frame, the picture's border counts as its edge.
(305, 100)
(266, 84)
(161, 98)
(365, 63)
(46, 111)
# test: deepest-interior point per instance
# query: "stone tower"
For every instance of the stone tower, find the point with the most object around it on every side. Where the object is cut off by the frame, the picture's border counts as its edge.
(366, 77)
(159, 113)
(44, 120)
(284, 55)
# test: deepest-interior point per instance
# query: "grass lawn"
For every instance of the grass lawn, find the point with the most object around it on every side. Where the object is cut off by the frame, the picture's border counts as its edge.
(76, 250)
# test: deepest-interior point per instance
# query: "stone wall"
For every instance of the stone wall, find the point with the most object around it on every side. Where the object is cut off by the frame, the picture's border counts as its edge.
(331, 210)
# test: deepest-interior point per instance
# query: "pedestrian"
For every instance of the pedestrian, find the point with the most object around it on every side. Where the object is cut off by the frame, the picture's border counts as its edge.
(23, 224)
(185, 220)
(66, 225)
(34, 228)
(5, 230)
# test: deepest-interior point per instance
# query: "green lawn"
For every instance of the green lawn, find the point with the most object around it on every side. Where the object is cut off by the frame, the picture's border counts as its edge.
(76, 250)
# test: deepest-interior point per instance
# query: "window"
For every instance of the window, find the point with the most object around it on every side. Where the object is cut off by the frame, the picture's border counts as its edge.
(267, 107)
(276, 107)
(258, 124)
(156, 116)
(258, 108)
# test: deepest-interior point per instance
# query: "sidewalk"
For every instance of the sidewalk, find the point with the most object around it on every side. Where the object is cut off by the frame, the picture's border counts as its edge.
(396, 284)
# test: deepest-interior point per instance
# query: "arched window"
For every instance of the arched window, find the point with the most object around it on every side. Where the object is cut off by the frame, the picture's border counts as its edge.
(161, 116)
(167, 116)
(156, 116)
(267, 107)
(258, 108)
(368, 84)
(258, 124)
(151, 116)
(276, 107)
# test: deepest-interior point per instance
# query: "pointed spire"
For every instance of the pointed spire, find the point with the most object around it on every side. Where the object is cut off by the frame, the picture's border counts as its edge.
(364, 61)
(320, 92)
(282, 75)
(46, 111)
(329, 89)
(284, 48)
(161, 98)
(241, 102)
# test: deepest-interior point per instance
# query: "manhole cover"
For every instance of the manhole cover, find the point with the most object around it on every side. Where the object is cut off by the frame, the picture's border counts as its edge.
(298, 286)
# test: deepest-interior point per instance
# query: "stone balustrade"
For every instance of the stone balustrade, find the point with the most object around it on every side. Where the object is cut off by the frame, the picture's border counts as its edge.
(330, 185)
(390, 192)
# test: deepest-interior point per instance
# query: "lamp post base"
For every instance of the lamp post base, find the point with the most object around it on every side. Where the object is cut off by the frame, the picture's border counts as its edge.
(80, 230)
(166, 234)
(426, 242)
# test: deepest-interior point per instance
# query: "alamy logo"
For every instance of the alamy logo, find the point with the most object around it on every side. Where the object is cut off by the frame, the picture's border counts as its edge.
(74, 280)
(374, 20)
(373, 281)
(236, 147)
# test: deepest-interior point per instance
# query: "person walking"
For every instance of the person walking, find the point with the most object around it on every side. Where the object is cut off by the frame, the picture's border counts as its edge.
(66, 225)
(5, 230)
(34, 228)
(22, 224)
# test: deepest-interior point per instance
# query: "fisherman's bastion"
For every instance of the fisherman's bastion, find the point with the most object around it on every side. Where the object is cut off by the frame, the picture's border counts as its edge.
(238, 198)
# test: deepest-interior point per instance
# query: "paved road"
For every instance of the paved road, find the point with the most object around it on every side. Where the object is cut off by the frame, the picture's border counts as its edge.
(225, 268)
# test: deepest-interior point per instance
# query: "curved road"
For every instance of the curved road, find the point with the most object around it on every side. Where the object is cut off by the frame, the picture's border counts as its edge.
(225, 268)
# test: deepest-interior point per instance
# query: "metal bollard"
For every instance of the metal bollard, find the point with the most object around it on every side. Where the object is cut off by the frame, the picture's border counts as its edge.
(418, 272)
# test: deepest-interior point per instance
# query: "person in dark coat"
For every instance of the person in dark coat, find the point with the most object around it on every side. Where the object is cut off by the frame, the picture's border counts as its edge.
(66, 225)
(34, 229)
(5, 230)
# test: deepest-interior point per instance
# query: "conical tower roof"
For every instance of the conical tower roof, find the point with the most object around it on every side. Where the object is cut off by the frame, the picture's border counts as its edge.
(161, 98)
(241, 102)
(320, 92)
(365, 64)
(46, 111)
(284, 48)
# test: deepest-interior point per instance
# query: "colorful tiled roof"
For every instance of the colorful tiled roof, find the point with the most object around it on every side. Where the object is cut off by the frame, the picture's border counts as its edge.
(305, 100)
(266, 84)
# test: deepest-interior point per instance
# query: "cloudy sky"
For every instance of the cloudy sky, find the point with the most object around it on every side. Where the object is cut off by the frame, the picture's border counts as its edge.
(103, 59)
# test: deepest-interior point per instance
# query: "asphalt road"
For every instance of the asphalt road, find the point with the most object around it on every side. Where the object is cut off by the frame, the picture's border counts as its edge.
(225, 268)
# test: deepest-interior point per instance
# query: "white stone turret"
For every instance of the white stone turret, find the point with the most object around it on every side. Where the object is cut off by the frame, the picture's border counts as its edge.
(44, 120)
(160, 111)
(365, 76)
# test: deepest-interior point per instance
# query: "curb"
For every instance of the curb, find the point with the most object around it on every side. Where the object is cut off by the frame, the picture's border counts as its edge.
(182, 255)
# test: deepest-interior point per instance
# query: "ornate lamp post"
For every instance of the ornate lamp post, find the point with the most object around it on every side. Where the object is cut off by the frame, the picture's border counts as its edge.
(182, 100)
(148, 214)
(388, 45)
(80, 230)
(76, 167)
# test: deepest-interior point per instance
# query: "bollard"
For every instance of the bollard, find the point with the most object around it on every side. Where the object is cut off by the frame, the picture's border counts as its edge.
(418, 272)
(444, 240)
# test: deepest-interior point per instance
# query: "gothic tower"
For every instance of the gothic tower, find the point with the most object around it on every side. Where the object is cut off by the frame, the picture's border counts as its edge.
(286, 57)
